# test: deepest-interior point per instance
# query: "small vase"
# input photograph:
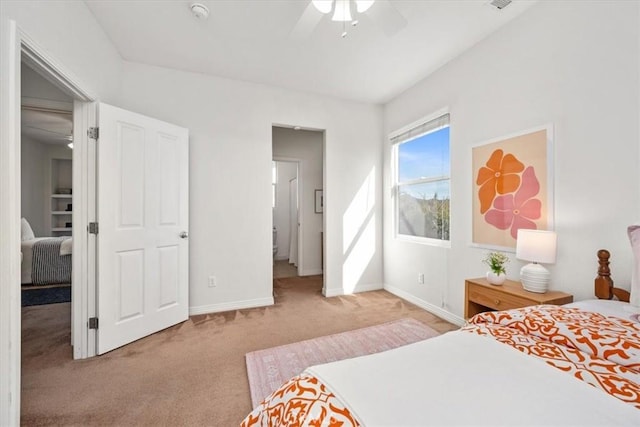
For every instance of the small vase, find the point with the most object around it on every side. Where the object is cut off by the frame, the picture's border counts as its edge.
(496, 279)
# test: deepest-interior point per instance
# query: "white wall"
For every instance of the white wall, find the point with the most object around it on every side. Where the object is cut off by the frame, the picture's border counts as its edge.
(306, 146)
(230, 125)
(68, 31)
(573, 64)
(36, 182)
(286, 171)
(33, 85)
(33, 184)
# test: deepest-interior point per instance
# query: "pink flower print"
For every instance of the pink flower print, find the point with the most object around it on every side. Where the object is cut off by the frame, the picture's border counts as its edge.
(519, 209)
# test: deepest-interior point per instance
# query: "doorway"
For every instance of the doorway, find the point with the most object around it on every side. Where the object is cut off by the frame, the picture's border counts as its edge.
(46, 183)
(46, 190)
(304, 148)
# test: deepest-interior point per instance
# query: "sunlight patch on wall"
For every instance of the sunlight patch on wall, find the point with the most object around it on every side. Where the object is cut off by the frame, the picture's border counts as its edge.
(359, 257)
(356, 214)
(359, 241)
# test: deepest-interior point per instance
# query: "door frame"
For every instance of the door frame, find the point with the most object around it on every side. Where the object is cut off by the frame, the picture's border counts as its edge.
(298, 163)
(17, 46)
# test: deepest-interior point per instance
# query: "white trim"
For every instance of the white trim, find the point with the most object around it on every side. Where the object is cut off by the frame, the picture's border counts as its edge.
(84, 244)
(229, 306)
(311, 272)
(10, 257)
(433, 309)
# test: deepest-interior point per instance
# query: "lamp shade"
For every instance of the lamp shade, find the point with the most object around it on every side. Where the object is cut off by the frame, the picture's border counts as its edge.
(536, 246)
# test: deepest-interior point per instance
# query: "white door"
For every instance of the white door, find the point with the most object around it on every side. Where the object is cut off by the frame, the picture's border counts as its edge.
(143, 219)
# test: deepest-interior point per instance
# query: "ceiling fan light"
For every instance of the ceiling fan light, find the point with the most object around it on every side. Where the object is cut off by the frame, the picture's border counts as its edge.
(323, 6)
(363, 5)
(342, 11)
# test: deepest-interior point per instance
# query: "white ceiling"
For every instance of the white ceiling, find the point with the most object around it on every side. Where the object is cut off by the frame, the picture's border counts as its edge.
(252, 40)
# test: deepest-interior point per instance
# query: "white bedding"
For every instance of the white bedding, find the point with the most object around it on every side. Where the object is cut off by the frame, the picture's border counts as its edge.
(620, 309)
(542, 365)
(26, 247)
(463, 379)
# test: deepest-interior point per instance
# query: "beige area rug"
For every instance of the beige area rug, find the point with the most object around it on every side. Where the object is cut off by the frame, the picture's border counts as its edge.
(269, 369)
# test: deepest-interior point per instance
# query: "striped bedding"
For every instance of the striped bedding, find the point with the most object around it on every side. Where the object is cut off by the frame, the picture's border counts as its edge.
(47, 265)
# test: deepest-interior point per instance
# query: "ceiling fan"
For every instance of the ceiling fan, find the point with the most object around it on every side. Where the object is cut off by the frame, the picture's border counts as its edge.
(382, 12)
(47, 125)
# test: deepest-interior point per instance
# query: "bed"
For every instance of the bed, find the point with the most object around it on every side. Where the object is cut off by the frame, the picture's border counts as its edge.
(45, 260)
(577, 364)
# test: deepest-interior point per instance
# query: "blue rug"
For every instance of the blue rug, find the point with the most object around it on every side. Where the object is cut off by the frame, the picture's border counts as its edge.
(41, 296)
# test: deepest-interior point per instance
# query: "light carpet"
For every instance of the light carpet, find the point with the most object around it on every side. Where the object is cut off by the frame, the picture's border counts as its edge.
(268, 369)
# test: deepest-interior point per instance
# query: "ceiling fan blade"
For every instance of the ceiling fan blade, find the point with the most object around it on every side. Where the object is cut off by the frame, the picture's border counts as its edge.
(53, 132)
(307, 22)
(385, 15)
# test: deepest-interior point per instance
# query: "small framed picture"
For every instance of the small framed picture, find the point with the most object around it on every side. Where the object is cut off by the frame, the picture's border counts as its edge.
(319, 205)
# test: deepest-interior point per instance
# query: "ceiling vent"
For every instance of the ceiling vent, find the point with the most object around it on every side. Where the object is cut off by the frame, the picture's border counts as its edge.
(500, 4)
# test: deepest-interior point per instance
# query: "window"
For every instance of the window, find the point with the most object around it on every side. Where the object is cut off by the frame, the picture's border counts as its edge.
(422, 180)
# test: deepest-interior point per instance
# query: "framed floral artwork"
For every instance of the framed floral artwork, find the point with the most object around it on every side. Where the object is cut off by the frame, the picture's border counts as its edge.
(512, 187)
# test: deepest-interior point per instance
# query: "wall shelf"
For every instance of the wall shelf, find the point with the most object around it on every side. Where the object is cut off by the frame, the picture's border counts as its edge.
(61, 197)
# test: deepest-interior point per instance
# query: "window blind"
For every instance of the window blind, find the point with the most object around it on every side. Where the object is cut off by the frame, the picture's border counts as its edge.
(421, 129)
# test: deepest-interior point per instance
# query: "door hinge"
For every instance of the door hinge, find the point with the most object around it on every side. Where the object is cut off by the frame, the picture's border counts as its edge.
(93, 133)
(93, 323)
(93, 228)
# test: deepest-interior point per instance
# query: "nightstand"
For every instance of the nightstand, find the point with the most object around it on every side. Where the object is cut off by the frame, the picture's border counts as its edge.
(480, 295)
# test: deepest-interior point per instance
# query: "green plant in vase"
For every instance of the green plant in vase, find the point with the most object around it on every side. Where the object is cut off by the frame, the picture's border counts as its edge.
(497, 273)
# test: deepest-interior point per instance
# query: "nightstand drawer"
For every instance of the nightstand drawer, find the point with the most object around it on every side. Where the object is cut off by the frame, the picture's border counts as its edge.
(496, 299)
(481, 296)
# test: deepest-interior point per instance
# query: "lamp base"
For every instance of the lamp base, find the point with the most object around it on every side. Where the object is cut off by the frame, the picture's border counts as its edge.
(535, 278)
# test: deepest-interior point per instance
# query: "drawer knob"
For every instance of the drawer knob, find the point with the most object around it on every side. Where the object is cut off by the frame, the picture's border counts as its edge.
(497, 302)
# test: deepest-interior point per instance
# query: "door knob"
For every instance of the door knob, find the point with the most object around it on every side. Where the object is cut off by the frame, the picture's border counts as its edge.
(184, 235)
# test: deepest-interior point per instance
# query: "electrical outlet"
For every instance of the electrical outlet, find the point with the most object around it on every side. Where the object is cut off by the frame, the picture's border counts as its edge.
(212, 281)
(421, 278)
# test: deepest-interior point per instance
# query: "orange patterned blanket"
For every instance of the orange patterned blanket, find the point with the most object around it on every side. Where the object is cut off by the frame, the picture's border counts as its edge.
(602, 351)
(301, 401)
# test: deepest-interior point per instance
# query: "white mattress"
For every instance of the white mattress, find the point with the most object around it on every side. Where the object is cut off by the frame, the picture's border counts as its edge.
(460, 378)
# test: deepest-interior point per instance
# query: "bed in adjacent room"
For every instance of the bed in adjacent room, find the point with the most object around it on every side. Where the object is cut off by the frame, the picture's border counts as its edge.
(577, 364)
(45, 260)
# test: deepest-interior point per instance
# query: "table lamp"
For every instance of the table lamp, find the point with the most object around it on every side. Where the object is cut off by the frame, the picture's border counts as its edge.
(538, 247)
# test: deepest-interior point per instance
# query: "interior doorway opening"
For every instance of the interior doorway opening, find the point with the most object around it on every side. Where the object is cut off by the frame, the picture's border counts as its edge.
(46, 184)
(298, 211)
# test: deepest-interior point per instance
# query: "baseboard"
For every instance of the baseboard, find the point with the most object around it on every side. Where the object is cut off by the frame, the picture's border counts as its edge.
(230, 306)
(360, 288)
(431, 308)
(311, 272)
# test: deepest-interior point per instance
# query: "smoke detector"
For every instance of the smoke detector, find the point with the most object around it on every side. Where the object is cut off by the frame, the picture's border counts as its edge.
(500, 4)
(200, 11)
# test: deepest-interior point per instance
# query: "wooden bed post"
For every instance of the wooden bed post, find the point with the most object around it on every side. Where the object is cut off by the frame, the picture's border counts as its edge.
(604, 283)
